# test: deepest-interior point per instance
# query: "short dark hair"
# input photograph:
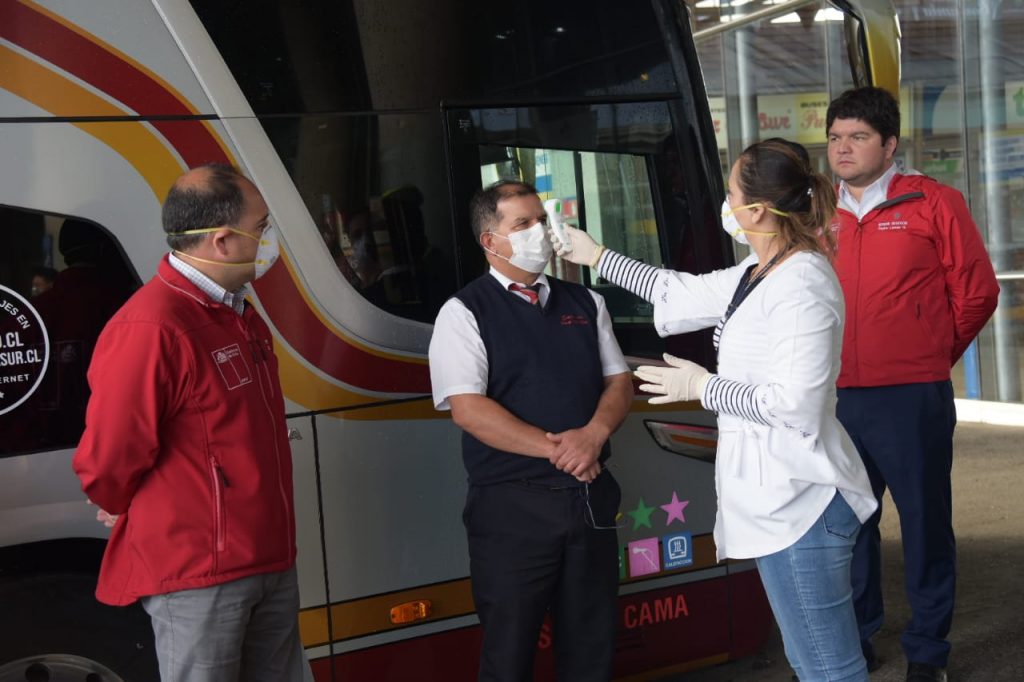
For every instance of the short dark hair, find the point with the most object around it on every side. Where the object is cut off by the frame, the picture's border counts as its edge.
(875, 106)
(483, 207)
(216, 201)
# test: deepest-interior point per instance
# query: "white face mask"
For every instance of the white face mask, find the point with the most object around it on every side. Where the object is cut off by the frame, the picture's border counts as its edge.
(531, 248)
(731, 225)
(267, 252)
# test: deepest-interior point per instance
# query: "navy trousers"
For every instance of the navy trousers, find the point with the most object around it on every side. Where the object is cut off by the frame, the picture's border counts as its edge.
(534, 550)
(904, 434)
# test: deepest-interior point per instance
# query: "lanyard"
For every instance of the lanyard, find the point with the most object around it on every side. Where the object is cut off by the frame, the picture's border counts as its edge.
(747, 285)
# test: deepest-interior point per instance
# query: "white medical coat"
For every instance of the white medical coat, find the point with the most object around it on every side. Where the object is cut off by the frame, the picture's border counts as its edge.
(773, 482)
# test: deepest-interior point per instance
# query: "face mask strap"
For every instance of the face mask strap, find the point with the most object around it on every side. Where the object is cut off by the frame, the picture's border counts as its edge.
(206, 230)
(214, 262)
(755, 205)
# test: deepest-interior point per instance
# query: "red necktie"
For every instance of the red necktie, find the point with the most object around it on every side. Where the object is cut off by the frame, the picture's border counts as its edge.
(529, 292)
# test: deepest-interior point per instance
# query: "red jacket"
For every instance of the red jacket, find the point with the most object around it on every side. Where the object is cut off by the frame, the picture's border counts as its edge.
(185, 438)
(918, 284)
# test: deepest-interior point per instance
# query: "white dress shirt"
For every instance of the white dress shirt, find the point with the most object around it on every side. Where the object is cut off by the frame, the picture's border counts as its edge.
(872, 196)
(778, 464)
(458, 358)
(233, 299)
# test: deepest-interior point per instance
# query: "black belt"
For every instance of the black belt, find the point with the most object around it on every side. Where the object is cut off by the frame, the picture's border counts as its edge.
(540, 485)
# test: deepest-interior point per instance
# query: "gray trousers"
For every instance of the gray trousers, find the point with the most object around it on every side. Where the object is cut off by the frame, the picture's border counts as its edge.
(246, 629)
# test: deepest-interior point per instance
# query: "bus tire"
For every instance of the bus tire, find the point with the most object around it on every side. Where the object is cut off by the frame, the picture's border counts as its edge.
(55, 630)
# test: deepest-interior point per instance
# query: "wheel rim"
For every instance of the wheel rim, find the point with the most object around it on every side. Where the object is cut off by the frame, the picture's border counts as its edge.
(57, 668)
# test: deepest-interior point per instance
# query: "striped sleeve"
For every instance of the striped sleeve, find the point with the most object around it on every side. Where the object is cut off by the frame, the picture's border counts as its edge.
(629, 274)
(733, 397)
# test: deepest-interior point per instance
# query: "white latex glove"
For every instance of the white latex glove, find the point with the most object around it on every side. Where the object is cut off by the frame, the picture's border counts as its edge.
(684, 380)
(582, 251)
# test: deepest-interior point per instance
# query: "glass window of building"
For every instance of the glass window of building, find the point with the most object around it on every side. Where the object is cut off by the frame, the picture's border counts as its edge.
(962, 110)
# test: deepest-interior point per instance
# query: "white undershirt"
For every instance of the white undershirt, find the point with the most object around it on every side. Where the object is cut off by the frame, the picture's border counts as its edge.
(458, 358)
(872, 196)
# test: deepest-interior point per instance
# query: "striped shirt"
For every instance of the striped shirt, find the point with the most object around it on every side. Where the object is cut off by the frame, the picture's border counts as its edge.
(720, 395)
(233, 299)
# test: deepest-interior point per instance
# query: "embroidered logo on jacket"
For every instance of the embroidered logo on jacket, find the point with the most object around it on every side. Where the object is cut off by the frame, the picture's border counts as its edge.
(233, 368)
(892, 225)
(568, 320)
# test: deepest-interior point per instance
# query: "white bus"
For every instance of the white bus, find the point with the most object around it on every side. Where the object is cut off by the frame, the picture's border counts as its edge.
(367, 126)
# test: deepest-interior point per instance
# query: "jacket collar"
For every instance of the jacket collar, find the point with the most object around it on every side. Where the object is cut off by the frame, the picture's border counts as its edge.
(183, 285)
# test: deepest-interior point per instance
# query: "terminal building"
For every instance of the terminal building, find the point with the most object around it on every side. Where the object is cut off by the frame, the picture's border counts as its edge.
(771, 68)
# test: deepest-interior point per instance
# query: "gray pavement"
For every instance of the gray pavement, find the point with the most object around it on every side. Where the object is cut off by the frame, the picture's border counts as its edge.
(988, 626)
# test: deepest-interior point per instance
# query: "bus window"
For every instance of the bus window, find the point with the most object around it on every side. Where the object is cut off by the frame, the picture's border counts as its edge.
(325, 56)
(376, 186)
(608, 195)
(90, 280)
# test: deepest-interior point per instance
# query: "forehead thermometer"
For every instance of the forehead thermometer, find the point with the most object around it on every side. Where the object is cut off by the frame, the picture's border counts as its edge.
(556, 222)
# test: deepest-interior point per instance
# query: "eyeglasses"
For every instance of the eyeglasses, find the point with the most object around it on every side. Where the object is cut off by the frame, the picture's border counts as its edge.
(588, 512)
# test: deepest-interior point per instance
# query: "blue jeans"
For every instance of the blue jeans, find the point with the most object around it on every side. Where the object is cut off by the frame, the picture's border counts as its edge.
(808, 586)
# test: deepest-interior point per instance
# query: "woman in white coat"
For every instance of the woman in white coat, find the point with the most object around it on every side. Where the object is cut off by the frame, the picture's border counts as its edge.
(792, 491)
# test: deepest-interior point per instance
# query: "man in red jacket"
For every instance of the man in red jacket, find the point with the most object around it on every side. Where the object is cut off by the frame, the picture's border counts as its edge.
(919, 287)
(185, 448)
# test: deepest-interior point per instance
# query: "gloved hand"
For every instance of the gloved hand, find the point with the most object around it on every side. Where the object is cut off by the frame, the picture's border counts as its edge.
(583, 250)
(684, 380)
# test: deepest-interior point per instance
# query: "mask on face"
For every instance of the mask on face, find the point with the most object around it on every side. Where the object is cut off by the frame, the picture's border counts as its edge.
(732, 226)
(531, 249)
(267, 251)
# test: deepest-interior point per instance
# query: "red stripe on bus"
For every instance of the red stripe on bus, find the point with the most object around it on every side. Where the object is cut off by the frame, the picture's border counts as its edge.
(89, 61)
(323, 349)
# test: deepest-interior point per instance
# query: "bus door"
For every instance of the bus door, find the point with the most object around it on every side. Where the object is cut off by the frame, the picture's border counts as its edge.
(624, 173)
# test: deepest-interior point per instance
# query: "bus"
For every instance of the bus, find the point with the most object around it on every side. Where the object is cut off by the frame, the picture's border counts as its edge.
(367, 126)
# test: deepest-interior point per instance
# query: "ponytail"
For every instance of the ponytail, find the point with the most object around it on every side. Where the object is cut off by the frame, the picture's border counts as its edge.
(778, 173)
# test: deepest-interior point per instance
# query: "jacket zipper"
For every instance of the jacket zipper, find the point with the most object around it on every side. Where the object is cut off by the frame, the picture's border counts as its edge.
(220, 482)
(860, 252)
(273, 425)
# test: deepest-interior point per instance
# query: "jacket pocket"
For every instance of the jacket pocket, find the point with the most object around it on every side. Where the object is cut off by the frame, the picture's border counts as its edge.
(743, 454)
(219, 482)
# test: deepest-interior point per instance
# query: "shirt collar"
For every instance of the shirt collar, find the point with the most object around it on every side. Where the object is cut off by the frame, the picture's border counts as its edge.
(872, 196)
(218, 294)
(505, 281)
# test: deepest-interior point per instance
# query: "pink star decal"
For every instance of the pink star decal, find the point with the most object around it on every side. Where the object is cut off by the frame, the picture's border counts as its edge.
(675, 509)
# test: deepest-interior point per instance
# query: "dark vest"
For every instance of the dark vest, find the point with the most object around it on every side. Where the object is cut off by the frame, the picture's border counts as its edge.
(544, 366)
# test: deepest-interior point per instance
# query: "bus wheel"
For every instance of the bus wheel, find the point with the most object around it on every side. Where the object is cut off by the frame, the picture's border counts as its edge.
(57, 668)
(56, 631)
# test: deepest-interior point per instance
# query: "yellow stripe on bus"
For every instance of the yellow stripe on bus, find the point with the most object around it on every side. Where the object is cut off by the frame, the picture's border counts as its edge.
(338, 331)
(60, 96)
(361, 617)
(367, 616)
(313, 392)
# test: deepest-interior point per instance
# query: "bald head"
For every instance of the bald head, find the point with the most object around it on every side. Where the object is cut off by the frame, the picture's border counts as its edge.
(210, 195)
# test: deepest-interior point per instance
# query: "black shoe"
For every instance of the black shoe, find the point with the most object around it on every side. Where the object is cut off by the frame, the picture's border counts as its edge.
(922, 672)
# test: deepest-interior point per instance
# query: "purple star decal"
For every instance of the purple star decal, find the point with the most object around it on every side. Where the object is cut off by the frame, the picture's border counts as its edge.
(674, 509)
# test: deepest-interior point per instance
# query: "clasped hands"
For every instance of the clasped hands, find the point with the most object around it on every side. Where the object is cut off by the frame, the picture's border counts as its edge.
(682, 380)
(576, 452)
(103, 516)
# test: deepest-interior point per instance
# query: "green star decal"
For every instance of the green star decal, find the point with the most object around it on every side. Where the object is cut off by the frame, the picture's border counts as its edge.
(641, 515)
